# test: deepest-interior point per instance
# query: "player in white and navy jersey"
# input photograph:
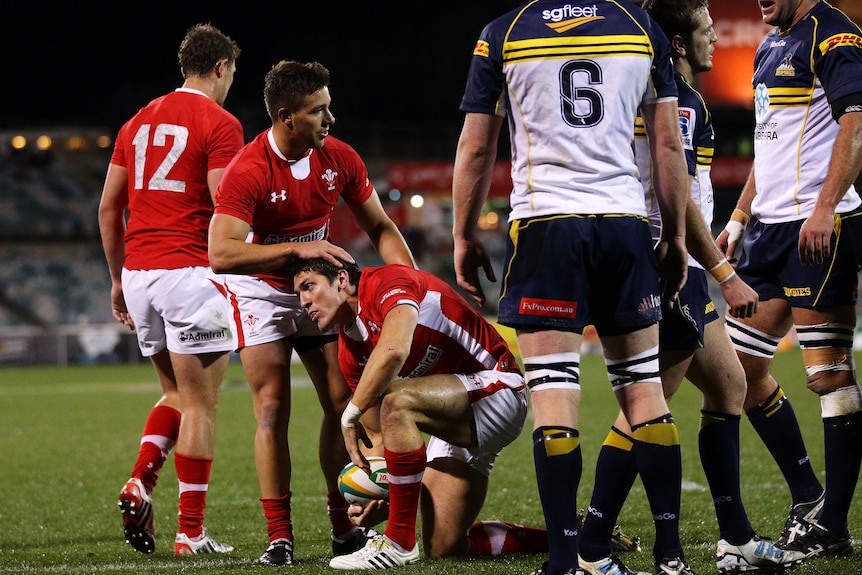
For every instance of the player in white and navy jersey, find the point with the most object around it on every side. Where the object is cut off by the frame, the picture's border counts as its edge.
(167, 161)
(570, 78)
(801, 253)
(274, 203)
(420, 359)
(692, 343)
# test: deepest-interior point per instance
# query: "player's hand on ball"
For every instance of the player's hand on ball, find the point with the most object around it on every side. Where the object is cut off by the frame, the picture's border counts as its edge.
(376, 512)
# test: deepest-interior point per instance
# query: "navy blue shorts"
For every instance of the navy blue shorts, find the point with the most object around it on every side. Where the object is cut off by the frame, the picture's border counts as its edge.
(566, 272)
(681, 329)
(770, 263)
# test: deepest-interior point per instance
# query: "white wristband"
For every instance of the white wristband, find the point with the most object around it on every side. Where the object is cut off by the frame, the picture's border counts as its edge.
(734, 231)
(350, 416)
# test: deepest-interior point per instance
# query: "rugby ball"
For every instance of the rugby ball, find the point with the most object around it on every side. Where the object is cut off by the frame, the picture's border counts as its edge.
(360, 488)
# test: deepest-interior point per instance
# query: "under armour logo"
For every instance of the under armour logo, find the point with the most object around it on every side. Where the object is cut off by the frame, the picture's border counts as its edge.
(282, 195)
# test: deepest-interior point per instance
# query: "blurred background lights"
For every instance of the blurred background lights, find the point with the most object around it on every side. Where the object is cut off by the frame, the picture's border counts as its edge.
(394, 194)
(417, 201)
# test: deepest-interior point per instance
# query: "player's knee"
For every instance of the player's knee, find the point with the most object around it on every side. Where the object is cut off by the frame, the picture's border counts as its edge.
(398, 406)
(270, 415)
(827, 354)
(446, 545)
(828, 380)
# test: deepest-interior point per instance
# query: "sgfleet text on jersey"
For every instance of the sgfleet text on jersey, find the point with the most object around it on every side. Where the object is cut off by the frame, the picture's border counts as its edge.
(569, 11)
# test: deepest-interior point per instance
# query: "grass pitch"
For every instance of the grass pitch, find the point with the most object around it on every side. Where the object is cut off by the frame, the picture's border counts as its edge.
(69, 436)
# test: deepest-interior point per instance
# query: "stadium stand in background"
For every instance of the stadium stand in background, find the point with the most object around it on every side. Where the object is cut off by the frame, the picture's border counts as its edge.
(54, 282)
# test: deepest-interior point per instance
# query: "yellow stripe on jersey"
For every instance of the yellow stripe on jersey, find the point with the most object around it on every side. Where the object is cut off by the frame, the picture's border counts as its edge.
(789, 97)
(568, 47)
(704, 156)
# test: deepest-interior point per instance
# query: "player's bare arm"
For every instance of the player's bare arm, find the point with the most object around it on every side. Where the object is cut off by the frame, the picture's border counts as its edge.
(474, 162)
(815, 236)
(383, 366)
(662, 124)
(382, 231)
(213, 179)
(741, 299)
(230, 253)
(112, 225)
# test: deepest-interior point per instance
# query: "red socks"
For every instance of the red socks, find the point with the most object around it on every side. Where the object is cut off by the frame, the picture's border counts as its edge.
(404, 471)
(158, 438)
(277, 513)
(193, 474)
(504, 538)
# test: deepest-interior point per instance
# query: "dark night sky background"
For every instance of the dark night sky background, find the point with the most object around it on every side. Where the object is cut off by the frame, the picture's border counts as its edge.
(95, 64)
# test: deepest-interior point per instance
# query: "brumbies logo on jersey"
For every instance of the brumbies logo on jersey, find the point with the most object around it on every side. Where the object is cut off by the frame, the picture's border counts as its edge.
(786, 68)
(329, 177)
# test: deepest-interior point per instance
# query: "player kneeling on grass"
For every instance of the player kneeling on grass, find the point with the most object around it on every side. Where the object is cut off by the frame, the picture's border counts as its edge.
(419, 359)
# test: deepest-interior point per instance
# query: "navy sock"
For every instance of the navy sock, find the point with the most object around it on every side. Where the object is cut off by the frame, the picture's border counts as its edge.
(659, 461)
(557, 456)
(616, 471)
(776, 424)
(842, 436)
(718, 442)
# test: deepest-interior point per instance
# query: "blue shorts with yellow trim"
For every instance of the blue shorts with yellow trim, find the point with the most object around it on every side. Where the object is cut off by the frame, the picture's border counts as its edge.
(770, 263)
(565, 272)
(681, 329)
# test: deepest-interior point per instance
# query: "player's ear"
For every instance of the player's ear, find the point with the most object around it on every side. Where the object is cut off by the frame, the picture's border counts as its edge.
(220, 67)
(285, 117)
(677, 43)
(343, 278)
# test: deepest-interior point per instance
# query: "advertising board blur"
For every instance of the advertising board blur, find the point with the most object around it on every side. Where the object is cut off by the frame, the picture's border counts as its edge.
(740, 29)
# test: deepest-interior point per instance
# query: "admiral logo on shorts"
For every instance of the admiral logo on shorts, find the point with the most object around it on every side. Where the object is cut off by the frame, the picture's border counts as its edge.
(548, 307)
(197, 336)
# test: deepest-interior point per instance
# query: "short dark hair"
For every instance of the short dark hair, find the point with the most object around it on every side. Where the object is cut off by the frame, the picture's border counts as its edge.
(324, 268)
(676, 17)
(203, 47)
(289, 82)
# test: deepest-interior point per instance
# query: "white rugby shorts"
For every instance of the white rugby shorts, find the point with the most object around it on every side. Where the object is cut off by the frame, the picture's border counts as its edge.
(185, 310)
(499, 418)
(262, 313)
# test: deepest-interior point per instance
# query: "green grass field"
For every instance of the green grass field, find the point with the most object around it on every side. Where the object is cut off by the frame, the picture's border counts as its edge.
(68, 438)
